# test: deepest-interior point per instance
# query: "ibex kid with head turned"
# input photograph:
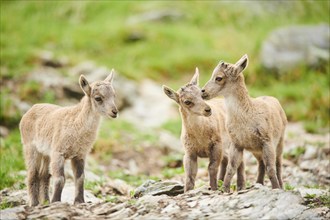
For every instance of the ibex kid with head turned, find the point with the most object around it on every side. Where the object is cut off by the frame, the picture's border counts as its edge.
(254, 124)
(203, 134)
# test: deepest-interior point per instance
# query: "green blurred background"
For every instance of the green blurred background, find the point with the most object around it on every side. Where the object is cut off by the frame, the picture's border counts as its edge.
(193, 33)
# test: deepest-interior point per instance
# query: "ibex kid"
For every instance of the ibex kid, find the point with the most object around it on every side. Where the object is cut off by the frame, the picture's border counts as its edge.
(254, 124)
(51, 134)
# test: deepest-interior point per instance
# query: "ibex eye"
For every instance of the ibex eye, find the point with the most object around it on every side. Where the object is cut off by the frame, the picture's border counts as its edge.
(98, 99)
(218, 79)
(187, 102)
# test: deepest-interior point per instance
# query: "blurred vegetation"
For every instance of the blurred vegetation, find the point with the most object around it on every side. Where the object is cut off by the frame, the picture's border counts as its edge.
(166, 51)
(11, 159)
(295, 153)
(130, 179)
(121, 133)
(313, 201)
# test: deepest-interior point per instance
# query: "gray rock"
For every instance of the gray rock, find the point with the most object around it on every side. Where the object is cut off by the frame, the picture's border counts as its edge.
(67, 87)
(20, 106)
(295, 177)
(68, 194)
(288, 47)
(311, 152)
(259, 202)
(4, 132)
(168, 140)
(156, 188)
(52, 79)
(151, 107)
(14, 198)
(11, 213)
(48, 59)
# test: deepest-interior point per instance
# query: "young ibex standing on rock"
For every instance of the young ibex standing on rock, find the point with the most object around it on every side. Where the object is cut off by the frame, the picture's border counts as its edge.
(254, 124)
(51, 134)
(203, 134)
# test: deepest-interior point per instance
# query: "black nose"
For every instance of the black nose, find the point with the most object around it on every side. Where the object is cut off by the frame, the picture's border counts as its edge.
(114, 112)
(203, 90)
(208, 110)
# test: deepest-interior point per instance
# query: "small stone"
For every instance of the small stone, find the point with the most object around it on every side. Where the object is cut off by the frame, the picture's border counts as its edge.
(192, 204)
(11, 213)
(310, 152)
(150, 187)
(171, 208)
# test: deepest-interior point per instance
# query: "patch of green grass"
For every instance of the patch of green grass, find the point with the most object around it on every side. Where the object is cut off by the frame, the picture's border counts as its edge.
(248, 184)
(173, 160)
(288, 187)
(200, 184)
(220, 184)
(132, 202)
(31, 90)
(315, 186)
(314, 201)
(131, 193)
(9, 114)
(130, 179)
(5, 205)
(295, 153)
(173, 126)
(171, 172)
(94, 186)
(112, 199)
(310, 107)
(11, 160)
(115, 134)
(233, 187)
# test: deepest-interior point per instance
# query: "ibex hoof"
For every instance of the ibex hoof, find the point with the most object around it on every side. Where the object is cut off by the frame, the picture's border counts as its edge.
(226, 189)
(78, 201)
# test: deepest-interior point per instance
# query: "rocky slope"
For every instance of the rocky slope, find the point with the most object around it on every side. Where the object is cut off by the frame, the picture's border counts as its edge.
(258, 202)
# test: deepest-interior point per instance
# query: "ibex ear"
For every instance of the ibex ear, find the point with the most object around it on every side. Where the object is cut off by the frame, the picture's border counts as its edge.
(242, 63)
(84, 85)
(110, 76)
(171, 93)
(195, 79)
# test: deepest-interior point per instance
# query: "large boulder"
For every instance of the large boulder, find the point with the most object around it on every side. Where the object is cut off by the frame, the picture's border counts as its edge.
(290, 46)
